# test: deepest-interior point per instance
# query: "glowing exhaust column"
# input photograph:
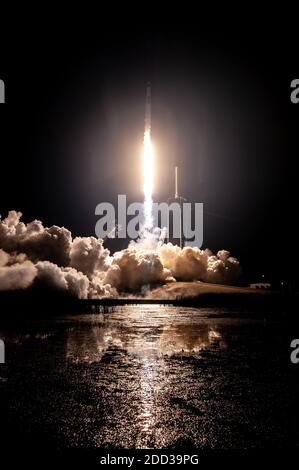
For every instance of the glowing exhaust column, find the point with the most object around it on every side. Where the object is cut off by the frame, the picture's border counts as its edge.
(148, 164)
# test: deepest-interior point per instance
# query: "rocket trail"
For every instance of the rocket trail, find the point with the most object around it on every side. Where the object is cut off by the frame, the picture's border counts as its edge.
(148, 164)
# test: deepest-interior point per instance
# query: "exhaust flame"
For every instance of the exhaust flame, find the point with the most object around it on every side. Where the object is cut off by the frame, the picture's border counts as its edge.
(148, 172)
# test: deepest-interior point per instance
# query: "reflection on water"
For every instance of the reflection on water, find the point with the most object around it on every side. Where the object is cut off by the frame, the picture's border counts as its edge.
(151, 376)
(149, 337)
(146, 417)
(139, 334)
(187, 339)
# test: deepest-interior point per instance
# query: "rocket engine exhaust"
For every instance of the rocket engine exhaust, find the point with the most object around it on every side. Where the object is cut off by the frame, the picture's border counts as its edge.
(148, 165)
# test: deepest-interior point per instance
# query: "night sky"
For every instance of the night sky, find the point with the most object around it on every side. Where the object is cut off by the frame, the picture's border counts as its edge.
(72, 130)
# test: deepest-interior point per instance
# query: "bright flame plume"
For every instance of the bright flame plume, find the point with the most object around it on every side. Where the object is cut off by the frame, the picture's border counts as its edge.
(148, 173)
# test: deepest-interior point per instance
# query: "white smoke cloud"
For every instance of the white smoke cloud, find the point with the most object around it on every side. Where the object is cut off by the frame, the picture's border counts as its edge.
(63, 279)
(133, 268)
(55, 260)
(38, 243)
(193, 264)
(15, 275)
(31, 254)
(4, 257)
(88, 255)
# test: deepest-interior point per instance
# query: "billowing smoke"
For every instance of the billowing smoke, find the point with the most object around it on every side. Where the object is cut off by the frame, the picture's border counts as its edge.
(38, 243)
(88, 255)
(191, 264)
(32, 255)
(133, 268)
(63, 279)
(16, 272)
(50, 258)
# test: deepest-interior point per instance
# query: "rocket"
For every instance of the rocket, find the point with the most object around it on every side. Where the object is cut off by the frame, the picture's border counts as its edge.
(148, 105)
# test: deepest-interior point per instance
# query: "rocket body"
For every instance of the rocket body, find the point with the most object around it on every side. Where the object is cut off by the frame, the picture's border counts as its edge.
(148, 110)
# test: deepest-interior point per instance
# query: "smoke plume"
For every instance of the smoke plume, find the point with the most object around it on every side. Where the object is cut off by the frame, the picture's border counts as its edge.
(32, 255)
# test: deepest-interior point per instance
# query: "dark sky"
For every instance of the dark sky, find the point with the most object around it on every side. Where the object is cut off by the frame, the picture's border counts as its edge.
(71, 131)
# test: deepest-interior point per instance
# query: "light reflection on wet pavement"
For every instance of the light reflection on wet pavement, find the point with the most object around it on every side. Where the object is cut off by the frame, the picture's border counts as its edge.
(152, 376)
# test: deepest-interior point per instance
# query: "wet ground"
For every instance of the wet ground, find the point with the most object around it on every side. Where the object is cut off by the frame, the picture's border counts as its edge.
(152, 376)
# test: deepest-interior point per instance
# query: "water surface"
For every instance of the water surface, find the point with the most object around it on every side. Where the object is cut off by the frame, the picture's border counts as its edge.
(151, 376)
